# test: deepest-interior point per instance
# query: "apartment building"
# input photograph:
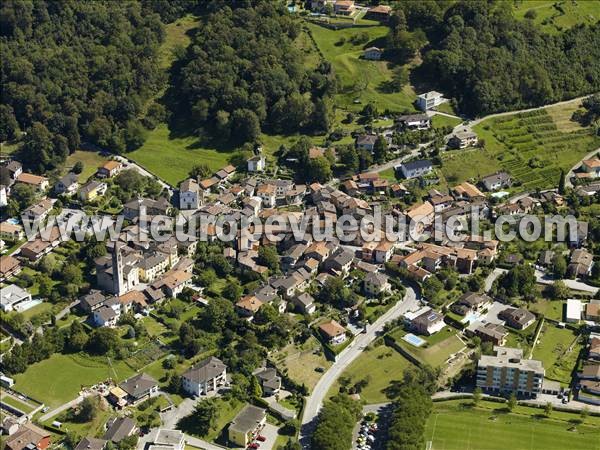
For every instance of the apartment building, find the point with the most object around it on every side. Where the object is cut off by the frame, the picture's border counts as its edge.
(509, 372)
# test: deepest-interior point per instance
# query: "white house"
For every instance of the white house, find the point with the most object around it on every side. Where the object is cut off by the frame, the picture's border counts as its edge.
(333, 332)
(12, 297)
(429, 100)
(189, 194)
(204, 377)
(573, 311)
(105, 316)
(373, 53)
(256, 163)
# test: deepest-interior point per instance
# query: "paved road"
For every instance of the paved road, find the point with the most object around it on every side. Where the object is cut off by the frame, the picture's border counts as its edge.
(544, 278)
(61, 408)
(571, 173)
(489, 281)
(314, 401)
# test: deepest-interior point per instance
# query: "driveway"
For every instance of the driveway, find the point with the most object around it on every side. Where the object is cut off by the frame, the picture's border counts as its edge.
(315, 400)
(544, 278)
(174, 415)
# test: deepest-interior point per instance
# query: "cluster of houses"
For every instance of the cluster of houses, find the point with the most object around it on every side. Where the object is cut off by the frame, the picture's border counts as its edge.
(349, 8)
(589, 376)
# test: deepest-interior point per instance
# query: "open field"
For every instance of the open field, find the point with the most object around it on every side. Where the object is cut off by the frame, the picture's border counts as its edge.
(528, 145)
(90, 160)
(360, 79)
(551, 309)
(554, 350)
(438, 349)
(453, 426)
(176, 35)
(556, 16)
(59, 378)
(301, 362)
(381, 366)
(439, 121)
(95, 428)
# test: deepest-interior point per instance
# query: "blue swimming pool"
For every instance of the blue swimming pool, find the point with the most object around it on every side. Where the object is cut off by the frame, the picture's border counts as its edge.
(413, 340)
(13, 221)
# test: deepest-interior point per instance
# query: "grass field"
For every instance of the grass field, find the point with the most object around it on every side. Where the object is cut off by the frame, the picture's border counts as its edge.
(554, 350)
(551, 309)
(452, 426)
(17, 403)
(301, 362)
(59, 378)
(530, 146)
(90, 160)
(177, 34)
(553, 19)
(438, 349)
(381, 365)
(360, 79)
(439, 121)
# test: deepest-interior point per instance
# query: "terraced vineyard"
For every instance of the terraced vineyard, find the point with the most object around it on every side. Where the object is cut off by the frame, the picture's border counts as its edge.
(528, 145)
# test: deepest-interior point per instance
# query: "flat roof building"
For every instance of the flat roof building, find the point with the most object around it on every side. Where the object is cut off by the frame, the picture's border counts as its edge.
(508, 372)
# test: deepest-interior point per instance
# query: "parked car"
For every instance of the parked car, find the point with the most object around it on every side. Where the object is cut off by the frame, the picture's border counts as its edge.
(261, 438)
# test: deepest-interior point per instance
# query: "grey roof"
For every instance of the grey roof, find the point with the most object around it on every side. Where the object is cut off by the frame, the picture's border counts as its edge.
(90, 443)
(413, 117)
(500, 177)
(154, 260)
(417, 164)
(90, 186)
(473, 299)
(377, 278)
(69, 179)
(368, 139)
(510, 357)
(119, 429)
(305, 299)
(138, 385)
(205, 370)
(168, 437)
(93, 298)
(105, 313)
(248, 419)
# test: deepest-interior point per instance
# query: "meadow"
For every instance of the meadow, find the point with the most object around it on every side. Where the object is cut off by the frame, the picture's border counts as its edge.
(381, 366)
(455, 425)
(556, 16)
(59, 378)
(557, 349)
(361, 81)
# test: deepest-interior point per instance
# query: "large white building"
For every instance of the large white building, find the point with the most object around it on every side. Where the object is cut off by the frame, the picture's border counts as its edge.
(13, 298)
(429, 100)
(509, 372)
(573, 310)
(204, 377)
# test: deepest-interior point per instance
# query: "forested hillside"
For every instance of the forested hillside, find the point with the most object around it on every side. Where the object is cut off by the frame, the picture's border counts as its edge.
(480, 54)
(75, 71)
(243, 75)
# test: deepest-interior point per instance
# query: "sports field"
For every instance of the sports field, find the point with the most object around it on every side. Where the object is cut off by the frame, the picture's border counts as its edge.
(454, 427)
(59, 378)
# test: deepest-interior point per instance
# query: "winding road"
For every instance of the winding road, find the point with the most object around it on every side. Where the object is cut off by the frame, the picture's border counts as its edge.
(315, 400)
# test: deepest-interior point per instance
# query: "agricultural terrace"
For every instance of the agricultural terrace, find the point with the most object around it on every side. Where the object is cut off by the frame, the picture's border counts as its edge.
(362, 80)
(59, 378)
(530, 146)
(556, 16)
(378, 368)
(456, 425)
(558, 349)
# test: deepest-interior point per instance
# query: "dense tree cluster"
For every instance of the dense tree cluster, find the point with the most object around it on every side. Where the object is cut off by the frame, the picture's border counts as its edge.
(411, 410)
(75, 71)
(490, 61)
(243, 75)
(335, 423)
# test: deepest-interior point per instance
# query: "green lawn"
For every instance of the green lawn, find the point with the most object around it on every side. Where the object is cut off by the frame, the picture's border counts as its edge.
(551, 309)
(59, 378)
(553, 350)
(439, 121)
(452, 426)
(381, 365)
(438, 349)
(227, 411)
(177, 34)
(90, 160)
(94, 428)
(360, 79)
(531, 146)
(301, 361)
(554, 20)
(17, 403)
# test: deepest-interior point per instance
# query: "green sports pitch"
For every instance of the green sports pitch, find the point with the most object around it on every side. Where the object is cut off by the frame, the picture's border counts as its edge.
(454, 426)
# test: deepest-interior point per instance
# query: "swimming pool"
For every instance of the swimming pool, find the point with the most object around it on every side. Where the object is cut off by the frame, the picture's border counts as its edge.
(13, 221)
(470, 318)
(413, 340)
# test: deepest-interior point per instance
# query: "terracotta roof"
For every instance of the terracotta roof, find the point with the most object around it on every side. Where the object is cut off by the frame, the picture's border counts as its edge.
(249, 303)
(29, 178)
(111, 165)
(592, 163)
(332, 329)
(468, 190)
